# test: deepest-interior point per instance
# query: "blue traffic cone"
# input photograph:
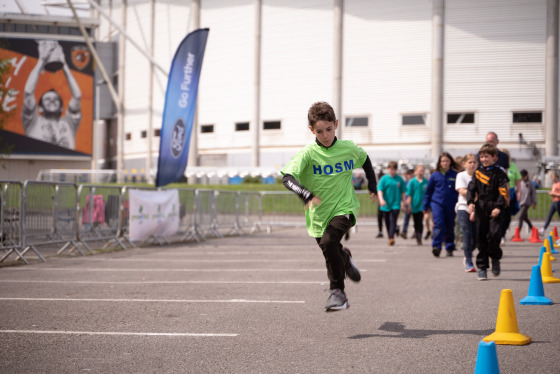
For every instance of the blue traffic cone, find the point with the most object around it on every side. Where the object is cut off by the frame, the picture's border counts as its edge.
(487, 359)
(536, 290)
(551, 241)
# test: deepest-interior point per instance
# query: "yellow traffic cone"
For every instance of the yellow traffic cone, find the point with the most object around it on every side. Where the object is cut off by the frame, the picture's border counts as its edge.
(507, 331)
(554, 237)
(546, 270)
(548, 249)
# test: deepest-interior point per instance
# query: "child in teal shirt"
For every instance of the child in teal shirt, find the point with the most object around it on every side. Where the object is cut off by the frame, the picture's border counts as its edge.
(321, 175)
(391, 190)
(416, 189)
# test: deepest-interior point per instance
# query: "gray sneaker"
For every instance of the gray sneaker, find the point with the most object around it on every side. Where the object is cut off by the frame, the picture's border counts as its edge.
(496, 270)
(482, 276)
(337, 301)
(350, 267)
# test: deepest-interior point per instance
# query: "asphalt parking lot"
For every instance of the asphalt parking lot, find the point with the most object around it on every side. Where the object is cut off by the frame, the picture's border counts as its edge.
(254, 304)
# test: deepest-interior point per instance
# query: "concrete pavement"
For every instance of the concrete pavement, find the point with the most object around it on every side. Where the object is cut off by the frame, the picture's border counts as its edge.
(254, 304)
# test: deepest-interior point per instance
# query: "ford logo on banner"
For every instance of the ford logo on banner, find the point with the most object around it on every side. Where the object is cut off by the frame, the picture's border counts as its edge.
(179, 108)
(178, 138)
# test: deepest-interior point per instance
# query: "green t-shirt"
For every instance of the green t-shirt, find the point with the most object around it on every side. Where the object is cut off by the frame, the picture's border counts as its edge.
(416, 190)
(392, 189)
(513, 174)
(327, 173)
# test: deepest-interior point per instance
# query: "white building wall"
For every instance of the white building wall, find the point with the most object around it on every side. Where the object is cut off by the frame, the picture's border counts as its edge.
(387, 71)
(297, 61)
(225, 93)
(494, 65)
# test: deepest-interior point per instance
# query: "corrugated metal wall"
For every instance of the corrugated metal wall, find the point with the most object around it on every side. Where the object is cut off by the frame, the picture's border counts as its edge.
(494, 65)
(387, 68)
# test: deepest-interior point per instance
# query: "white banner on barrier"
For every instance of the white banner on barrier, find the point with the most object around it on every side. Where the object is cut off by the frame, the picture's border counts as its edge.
(153, 213)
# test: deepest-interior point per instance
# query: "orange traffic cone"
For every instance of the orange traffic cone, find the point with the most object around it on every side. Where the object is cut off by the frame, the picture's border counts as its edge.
(554, 234)
(517, 237)
(507, 331)
(535, 236)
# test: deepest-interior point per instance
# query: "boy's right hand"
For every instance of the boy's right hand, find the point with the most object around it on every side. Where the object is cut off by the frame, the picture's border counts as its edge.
(471, 208)
(314, 202)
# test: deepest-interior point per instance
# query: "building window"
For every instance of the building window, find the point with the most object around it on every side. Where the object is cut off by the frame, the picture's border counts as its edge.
(144, 134)
(271, 125)
(242, 126)
(357, 121)
(527, 117)
(206, 128)
(460, 118)
(128, 136)
(157, 132)
(413, 119)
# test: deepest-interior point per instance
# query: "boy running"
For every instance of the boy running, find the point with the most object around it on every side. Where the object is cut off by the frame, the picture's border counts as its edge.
(321, 175)
(490, 184)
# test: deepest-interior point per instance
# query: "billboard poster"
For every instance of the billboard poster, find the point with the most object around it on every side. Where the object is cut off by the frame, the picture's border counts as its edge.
(50, 98)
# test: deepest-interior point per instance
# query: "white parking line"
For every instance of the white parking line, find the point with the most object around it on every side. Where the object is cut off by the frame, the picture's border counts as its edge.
(154, 300)
(159, 282)
(224, 261)
(268, 270)
(114, 333)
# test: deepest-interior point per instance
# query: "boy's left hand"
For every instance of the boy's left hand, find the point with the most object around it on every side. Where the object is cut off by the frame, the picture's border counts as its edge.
(372, 197)
(495, 212)
(315, 202)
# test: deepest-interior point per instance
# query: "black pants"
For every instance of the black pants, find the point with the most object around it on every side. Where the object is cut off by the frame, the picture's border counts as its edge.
(524, 217)
(335, 257)
(380, 219)
(418, 223)
(489, 232)
(390, 218)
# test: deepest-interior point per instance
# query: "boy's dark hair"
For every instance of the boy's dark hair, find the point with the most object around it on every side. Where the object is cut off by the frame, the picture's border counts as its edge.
(488, 149)
(320, 111)
(523, 173)
(393, 165)
(452, 165)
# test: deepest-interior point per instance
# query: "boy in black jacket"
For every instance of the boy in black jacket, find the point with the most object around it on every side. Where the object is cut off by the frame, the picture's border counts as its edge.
(487, 197)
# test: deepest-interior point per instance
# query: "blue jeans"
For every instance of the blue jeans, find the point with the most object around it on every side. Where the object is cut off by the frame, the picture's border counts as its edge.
(469, 230)
(554, 207)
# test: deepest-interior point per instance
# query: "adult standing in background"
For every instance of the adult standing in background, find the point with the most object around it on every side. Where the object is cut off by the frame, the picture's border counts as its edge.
(503, 158)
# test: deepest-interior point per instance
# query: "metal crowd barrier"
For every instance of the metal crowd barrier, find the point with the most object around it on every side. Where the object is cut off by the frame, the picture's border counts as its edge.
(70, 217)
(49, 216)
(10, 222)
(101, 215)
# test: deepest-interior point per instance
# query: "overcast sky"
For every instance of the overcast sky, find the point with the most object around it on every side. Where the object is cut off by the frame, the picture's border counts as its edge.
(40, 7)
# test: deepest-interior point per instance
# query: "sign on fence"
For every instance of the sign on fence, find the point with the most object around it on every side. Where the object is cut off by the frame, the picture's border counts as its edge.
(153, 213)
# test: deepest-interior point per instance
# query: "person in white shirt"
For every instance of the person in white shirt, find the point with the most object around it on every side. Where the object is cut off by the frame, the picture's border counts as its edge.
(466, 220)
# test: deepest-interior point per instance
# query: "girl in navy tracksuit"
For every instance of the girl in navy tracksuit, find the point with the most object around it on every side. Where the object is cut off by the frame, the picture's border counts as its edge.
(441, 198)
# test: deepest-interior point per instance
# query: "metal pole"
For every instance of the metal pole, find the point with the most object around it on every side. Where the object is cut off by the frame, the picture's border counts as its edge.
(255, 131)
(337, 64)
(551, 79)
(151, 95)
(122, 31)
(105, 76)
(192, 159)
(121, 79)
(437, 76)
